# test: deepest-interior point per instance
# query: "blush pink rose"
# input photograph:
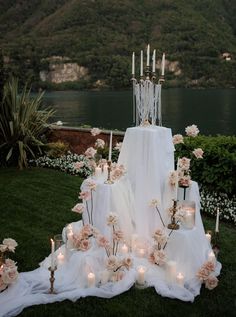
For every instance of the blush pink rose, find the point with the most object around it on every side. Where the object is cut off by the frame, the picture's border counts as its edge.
(100, 143)
(177, 139)
(90, 152)
(198, 153)
(95, 131)
(79, 208)
(78, 165)
(102, 241)
(85, 245)
(85, 195)
(211, 282)
(192, 130)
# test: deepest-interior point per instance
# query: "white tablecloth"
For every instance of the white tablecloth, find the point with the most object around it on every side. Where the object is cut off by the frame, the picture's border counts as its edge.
(148, 155)
(117, 198)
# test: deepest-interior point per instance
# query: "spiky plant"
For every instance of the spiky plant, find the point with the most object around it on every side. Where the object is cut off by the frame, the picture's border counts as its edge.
(22, 123)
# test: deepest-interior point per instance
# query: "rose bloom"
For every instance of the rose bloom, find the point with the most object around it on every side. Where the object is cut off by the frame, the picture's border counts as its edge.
(118, 146)
(2, 284)
(10, 263)
(198, 153)
(85, 195)
(3, 248)
(10, 243)
(154, 203)
(95, 232)
(86, 230)
(91, 184)
(79, 208)
(160, 257)
(192, 130)
(203, 274)
(90, 152)
(102, 241)
(118, 235)
(85, 245)
(210, 266)
(185, 181)
(78, 165)
(157, 234)
(112, 219)
(100, 143)
(117, 172)
(178, 138)
(173, 178)
(9, 274)
(112, 263)
(127, 263)
(95, 131)
(184, 163)
(211, 282)
(151, 258)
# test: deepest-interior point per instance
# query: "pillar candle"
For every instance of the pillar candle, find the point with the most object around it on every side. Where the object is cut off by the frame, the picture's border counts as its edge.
(133, 64)
(141, 275)
(52, 254)
(171, 271)
(91, 279)
(110, 147)
(148, 55)
(212, 257)
(98, 172)
(154, 61)
(141, 63)
(189, 218)
(124, 249)
(60, 258)
(208, 236)
(180, 279)
(217, 220)
(105, 276)
(163, 65)
(69, 242)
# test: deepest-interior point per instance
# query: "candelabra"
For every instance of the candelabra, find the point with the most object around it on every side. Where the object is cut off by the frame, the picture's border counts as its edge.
(173, 225)
(147, 92)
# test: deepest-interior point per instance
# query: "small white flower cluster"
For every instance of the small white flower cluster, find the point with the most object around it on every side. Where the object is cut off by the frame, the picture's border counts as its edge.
(66, 163)
(211, 201)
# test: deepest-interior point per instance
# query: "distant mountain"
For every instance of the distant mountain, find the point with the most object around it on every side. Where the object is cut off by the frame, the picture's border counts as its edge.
(100, 35)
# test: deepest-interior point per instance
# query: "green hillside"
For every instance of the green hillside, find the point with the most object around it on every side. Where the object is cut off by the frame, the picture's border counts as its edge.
(101, 35)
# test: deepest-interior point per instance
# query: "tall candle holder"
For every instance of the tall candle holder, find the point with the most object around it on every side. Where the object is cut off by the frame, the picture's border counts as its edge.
(109, 181)
(147, 95)
(173, 225)
(52, 279)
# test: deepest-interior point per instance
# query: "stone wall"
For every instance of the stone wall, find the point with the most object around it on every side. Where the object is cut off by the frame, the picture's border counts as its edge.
(79, 139)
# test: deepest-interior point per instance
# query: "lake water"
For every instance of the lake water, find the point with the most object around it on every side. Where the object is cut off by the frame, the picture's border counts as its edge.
(212, 110)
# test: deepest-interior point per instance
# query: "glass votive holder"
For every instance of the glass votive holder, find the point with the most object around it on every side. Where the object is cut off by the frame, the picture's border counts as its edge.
(58, 241)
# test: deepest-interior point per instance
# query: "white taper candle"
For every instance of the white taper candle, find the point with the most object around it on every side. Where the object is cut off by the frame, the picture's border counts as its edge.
(133, 64)
(110, 147)
(141, 63)
(148, 55)
(163, 64)
(154, 61)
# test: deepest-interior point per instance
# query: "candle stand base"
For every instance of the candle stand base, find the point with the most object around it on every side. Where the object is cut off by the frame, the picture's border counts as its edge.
(109, 181)
(141, 286)
(52, 279)
(173, 226)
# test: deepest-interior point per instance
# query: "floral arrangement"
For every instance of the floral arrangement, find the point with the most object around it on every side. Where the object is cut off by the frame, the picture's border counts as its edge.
(207, 276)
(182, 175)
(114, 264)
(8, 268)
(117, 171)
(80, 241)
(158, 255)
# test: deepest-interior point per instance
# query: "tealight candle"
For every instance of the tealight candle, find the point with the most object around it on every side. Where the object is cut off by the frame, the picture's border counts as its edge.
(91, 279)
(180, 279)
(124, 249)
(60, 258)
(208, 236)
(141, 252)
(212, 257)
(141, 275)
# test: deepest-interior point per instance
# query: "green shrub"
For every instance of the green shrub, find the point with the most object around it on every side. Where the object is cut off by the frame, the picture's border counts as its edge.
(22, 124)
(216, 171)
(56, 149)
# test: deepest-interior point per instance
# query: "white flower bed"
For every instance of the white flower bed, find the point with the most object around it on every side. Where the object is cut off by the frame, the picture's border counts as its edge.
(227, 207)
(66, 163)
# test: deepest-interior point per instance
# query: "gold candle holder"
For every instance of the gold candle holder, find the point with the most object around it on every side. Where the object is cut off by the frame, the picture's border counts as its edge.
(109, 181)
(52, 279)
(173, 225)
(161, 80)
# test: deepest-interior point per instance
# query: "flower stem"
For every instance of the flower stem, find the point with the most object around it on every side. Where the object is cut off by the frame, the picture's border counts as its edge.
(160, 216)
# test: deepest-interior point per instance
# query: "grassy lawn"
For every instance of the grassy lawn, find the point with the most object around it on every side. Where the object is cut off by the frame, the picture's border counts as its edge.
(35, 204)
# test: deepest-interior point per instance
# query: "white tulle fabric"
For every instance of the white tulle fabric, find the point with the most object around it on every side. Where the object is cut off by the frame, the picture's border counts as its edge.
(147, 153)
